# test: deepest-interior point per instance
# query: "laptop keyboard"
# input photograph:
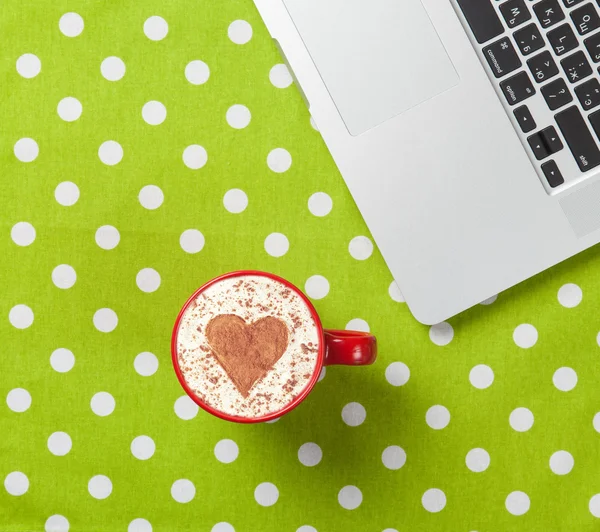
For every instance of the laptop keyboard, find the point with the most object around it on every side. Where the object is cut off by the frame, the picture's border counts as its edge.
(543, 57)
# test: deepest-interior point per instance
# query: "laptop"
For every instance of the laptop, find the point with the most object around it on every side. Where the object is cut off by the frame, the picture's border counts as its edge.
(467, 132)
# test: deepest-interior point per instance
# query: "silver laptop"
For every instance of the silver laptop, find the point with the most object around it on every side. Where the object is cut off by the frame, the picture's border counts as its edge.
(466, 130)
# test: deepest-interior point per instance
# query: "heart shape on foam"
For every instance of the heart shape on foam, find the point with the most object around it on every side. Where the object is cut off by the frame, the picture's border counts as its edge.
(247, 352)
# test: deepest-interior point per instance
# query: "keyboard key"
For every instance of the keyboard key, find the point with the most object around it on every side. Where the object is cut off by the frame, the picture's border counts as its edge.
(525, 119)
(557, 94)
(552, 173)
(586, 19)
(529, 39)
(517, 88)
(538, 147)
(502, 57)
(515, 12)
(542, 67)
(548, 13)
(571, 3)
(593, 47)
(482, 18)
(551, 140)
(595, 121)
(576, 67)
(579, 139)
(589, 94)
(563, 39)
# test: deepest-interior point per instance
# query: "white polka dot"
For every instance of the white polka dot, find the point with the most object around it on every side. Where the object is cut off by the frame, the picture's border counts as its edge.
(71, 24)
(195, 157)
(350, 497)
(562, 462)
(489, 300)
(437, 417)
(397, 374)
(594, 505)
(317, 287)
(310, 454)
(100, 487)
(143, 447)
(322, 374)
(565, 379)
(139, 525)
(22, 234)
(110, 152)
(64, 276)
(222, 527)
(16, 483)
(598, 339)
(320, 204)
(279, 160)
(360, 248)
(354, 414)
(434, 500)
(156, 28)
(107, 237)
(112, 68)
(525, 335)
(313, 124)
(29, 66)
(148, 280)
(277, 245)
(26, 150)
(56, 523)
(183, 490)
(357, 324)
(69, 109)
(151, 197)
(570, 295)
(62, 360)
(105, 320)
(59, 443)
(393, 457)
(596, 422)
(266, 494)
(477, 460)
(154, 113)
(481, 376)
(273, 420)
(18, 400)
(66, 193)
(521, 419)
(240, 32)
(517, 503)
(197, 72)
(441, 334)
(235, 200)
(20, 316)
(185, 408)
(226, 451)
(146, 364)
(280, 76)
(390, 530)
(238, 116)
(306, 528)
(394, 292)
(103, 404)
(191, 241)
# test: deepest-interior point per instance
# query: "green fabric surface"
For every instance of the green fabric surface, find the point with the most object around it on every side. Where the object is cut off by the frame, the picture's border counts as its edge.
(404, 447)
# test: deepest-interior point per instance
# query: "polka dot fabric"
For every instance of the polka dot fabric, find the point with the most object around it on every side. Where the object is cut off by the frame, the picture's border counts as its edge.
(148, 147)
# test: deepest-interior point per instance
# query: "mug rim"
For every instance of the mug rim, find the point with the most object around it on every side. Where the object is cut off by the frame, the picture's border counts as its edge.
(298, 399)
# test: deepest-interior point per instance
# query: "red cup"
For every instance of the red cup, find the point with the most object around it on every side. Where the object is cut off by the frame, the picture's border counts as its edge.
(336, 347)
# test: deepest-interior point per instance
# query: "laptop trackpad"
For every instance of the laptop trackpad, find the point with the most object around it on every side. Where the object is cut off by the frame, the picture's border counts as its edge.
(378, 58)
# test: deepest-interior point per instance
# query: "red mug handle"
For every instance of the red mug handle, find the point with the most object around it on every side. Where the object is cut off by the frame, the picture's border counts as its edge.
(349, 348)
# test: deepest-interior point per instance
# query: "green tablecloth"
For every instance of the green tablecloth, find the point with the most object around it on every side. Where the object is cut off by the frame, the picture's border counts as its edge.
(112, 214)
